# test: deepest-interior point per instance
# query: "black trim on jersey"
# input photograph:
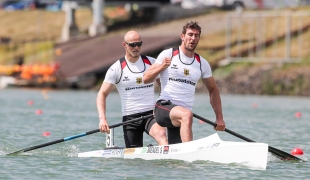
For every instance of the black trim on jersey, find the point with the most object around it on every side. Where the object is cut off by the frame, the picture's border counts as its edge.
(175, 51)
(123, 64)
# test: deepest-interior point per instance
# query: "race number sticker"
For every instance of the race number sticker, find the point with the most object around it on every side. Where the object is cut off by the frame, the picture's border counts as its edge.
(154, 149)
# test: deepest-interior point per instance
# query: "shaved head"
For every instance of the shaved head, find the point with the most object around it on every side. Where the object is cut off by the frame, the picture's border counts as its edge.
(132, 36)
(132, 51)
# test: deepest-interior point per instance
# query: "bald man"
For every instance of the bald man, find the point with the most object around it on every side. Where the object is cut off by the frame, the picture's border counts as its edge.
(137, 98)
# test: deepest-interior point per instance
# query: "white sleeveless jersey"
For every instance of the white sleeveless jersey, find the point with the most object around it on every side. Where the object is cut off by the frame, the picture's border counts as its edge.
(135, 96)
(179, 80)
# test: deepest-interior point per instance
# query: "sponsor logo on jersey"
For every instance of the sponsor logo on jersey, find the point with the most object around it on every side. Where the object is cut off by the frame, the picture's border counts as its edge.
(186, 72)
(129, 150)
(139, 87)
(174, 66)
(139, 80)
(126, 78)
(182, 81)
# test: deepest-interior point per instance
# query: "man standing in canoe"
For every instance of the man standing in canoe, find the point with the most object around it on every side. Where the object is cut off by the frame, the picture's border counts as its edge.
(180, 69)
(137, 98)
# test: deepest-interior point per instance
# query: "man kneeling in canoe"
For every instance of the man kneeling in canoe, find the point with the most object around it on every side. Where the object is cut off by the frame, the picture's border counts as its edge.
(180, 69)
(137, 98)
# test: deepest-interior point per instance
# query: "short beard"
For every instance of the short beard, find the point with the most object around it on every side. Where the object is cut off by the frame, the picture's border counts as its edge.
(190, 49)
(134, 56)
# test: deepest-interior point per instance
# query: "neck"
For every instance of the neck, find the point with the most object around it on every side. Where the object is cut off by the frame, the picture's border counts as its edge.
(132, 59)
(187, 52)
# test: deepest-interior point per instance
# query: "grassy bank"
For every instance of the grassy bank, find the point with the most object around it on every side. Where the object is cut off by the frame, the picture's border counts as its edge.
(33, 34)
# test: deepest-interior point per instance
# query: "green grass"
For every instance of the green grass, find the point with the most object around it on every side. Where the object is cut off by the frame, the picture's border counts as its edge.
(212, 46)
(25, 27)
(31, 25)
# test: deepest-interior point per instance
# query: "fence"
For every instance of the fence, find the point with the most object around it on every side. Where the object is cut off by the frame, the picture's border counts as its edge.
(260, 36)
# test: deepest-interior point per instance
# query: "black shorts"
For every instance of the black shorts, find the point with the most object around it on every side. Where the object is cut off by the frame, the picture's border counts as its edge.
(162, 111)
(133, 132)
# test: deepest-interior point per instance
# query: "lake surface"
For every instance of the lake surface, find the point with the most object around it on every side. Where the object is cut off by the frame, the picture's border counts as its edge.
(268, 119)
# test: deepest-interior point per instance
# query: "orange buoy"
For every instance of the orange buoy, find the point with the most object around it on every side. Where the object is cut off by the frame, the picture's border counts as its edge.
(297, 151)
(298, 114)
(30, 102)
(46, 134)
(39, 111)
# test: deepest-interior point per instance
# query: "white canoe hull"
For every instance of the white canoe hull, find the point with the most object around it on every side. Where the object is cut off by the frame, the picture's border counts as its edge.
(211, 148)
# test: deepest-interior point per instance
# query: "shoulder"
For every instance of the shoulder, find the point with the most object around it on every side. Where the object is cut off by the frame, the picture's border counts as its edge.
(151, 59)
(115, 68)
(203, 61)
(115, 65)
(167, 52)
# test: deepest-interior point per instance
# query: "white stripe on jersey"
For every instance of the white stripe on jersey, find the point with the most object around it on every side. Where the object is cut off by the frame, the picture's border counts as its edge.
(179, 80)
(135, 96)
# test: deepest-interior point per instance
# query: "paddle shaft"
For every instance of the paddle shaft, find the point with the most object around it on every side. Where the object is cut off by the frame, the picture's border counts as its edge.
(279, 153)
(79, 135)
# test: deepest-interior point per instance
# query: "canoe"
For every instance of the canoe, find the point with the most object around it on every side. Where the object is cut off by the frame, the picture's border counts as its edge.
(212, 148)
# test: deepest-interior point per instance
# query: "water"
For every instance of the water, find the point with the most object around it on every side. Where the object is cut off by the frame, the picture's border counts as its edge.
(65, 113)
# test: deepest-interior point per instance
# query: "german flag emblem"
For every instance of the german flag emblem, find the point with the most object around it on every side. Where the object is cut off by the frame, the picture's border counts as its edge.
(139, 80)
(186, 72)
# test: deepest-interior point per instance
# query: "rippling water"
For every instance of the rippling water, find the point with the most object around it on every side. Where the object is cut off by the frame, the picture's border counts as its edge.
(65, 113)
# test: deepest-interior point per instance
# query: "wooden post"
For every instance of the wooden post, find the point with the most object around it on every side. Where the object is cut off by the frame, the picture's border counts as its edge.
(97, 27)
(70, 28)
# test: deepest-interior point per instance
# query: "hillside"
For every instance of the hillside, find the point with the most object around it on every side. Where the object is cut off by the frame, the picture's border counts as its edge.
(277, 78)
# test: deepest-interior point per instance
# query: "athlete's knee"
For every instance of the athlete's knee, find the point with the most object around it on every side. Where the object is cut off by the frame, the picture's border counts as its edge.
(161, 134)
(161, 137)
(158, 132)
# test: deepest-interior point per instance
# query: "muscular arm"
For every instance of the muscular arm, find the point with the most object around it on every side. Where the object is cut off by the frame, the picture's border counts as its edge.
(101, 106)
(215, 101)
(151, 74)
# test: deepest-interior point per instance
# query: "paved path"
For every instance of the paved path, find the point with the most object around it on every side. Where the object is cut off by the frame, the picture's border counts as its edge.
(95, 55)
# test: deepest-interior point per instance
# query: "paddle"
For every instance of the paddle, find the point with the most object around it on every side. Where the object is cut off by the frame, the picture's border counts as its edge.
(278, 153)
(79, 135)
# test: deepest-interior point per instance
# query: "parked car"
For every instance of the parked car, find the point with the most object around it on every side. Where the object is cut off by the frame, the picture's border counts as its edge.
(11, 5)
(239, 5)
